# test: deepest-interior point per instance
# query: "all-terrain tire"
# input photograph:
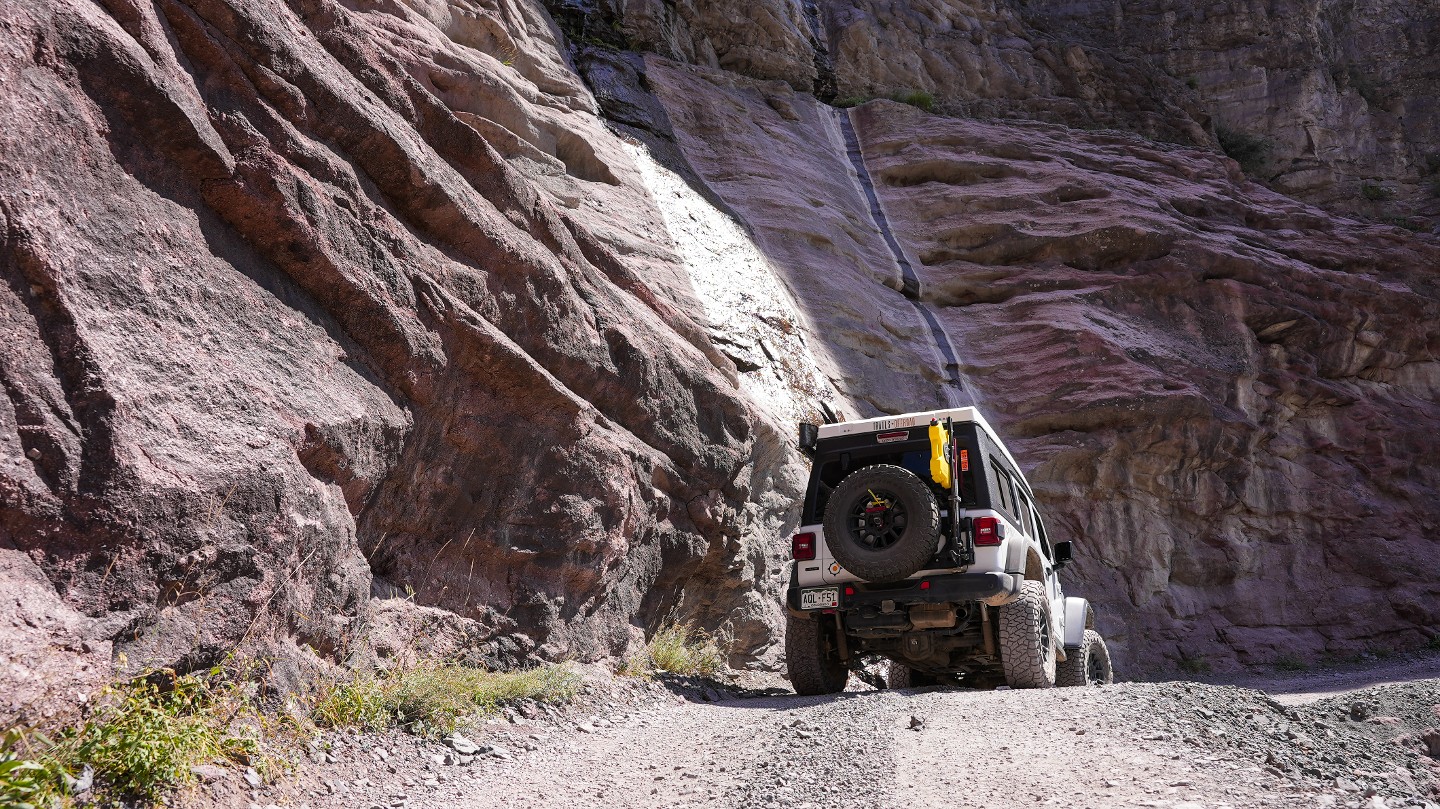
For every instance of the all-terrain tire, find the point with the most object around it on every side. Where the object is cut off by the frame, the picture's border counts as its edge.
(1027, 652)
(909, 529)
(810, 657)
(1087, 665)
(902, 676)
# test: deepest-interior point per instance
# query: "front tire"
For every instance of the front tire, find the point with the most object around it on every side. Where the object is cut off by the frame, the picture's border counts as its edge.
(1088, 665)
(811, 659)
(1027, 651)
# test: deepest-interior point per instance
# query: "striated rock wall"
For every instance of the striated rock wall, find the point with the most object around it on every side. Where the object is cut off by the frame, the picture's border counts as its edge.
(982, 59)
(335, 330)
(1225, 397)
(314, 309)
(1339, 95)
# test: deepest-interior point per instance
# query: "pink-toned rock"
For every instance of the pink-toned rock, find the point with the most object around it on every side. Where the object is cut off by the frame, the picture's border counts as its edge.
(53, 661)
(1225, 397)
(1335, 97)
(304, 302)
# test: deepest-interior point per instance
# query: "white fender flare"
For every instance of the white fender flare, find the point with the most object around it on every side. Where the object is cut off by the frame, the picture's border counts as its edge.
(1078, 618)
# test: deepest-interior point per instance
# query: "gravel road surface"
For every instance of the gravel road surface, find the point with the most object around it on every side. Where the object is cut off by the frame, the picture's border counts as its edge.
(636, 743)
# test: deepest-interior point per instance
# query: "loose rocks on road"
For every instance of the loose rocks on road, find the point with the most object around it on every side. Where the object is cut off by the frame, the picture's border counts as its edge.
(1177, 745)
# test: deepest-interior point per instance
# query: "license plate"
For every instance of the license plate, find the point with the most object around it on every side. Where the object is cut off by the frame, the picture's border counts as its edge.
(819, 599)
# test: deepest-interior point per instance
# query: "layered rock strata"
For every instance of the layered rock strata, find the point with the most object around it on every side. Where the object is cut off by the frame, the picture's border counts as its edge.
(1336, 101)
(306, 302)
(1226, 398)
(338, 330)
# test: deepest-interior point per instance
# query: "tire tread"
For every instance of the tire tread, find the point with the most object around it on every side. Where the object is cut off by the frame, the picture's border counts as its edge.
(811, 670)
(1073, 670)
(1026, 665)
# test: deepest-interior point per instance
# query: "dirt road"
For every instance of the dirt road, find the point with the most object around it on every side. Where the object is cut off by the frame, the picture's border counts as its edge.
(633, 743)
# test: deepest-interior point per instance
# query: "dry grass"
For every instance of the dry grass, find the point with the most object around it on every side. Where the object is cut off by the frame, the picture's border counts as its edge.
(431, 699)
(678, 649)
(139, 746)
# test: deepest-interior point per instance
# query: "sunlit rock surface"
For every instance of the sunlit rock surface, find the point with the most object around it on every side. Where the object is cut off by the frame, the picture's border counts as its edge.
(354, 331)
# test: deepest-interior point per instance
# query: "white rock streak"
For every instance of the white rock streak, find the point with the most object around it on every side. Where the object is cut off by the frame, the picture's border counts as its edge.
(752, 318)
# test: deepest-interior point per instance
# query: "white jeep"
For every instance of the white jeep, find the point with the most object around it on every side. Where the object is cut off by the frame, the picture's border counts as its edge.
(920, 542)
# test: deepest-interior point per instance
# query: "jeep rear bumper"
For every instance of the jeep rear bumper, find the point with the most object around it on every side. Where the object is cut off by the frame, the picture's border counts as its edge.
(959, 587)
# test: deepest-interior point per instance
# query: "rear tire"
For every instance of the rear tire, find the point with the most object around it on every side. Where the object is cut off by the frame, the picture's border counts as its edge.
(887, 543)
(1027, 652)
(902, 676)
(811, 660)
(1088, 665)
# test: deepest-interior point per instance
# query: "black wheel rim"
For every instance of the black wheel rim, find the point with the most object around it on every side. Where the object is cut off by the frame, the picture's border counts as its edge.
(1094, 669)
(1045, 647)
(878, 520)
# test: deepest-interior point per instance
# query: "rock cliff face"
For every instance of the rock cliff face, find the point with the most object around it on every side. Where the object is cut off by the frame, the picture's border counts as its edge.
(1223, 396)
(307, 302)
(1332, 96)
(342, 328)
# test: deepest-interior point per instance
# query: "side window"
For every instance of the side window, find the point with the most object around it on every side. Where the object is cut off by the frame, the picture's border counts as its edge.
(1040, 535)
(1002, 485)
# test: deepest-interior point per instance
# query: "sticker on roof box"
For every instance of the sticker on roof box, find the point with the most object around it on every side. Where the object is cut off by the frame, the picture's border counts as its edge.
(890, 438)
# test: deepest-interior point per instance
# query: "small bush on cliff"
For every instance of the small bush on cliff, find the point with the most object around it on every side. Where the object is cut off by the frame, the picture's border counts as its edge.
(1375, 192)
(1250, 151)
(1290, 662)
(849, 101)
(1194, 665)
(1404, 222)
(431, 699)
(917, 98)
(678, 649)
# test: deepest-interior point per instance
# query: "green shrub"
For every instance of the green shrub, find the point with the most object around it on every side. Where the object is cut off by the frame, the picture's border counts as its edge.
(1290, 662)
(1404, 222)
(917, 98)
(138, 745)
(430, 699)
(1194, 665)
(146, 740)
(27, 783)
(1375, 192)
(1250, 151)
(849, 101)
(678, 649)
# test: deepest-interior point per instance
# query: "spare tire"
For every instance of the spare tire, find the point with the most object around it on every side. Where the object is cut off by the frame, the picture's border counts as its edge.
(882, 523)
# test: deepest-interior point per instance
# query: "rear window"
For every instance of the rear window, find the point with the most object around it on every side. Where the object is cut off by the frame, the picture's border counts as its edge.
(833, 466)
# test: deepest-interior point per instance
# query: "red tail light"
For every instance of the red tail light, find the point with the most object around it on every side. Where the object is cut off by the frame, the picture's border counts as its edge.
(989, 531)
(802, 547)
